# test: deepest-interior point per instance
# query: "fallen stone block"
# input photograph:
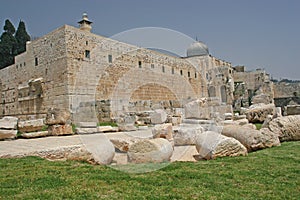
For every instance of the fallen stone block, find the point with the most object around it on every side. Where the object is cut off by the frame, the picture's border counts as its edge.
(163, 131)
(287, 128)
(159, 116)
(57, 130)
(31, 125)
(86, 130)
(8, 134)
(150, 151)
(9, 123)
(57, 116)
(35, 134)
(259, 112)
(187, 134)
(250, 138)
(211, 145)
(87, 124)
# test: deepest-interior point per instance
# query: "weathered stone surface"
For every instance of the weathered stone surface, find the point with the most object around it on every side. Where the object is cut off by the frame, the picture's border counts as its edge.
(57, 116)
(187, 134)
(127, 127)
(123, 142)
(101, 148)
(287, 128)
(163, 131)
(259, 112)
(159, 116)
(184, 153)
(293, 110)
(176, 121)
(250, 138)
(31, 125)
(8, 123)
(261, 98)
(267, 121)
(35, 134)
(57, 130)
(193, 110)
(251, 126)
(242, 122)
(87, 124)
(211, 145)
(104, 129)
(150, 151)
(86, 130)
(228, 116)
(238, 117)
(8, 134)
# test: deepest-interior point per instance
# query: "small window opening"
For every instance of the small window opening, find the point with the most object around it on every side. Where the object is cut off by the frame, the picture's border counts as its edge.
(181, 72)
(36, 61)
(195, 74)
(163, 69)
(110, 58)
(189, 74)
(87, 54)
(152, 66)
(140, 64)
(173, 70)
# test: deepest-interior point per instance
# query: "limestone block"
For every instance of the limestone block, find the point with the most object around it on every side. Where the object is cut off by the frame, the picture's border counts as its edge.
(196, 110)
(127, 127)
(79, 130)
(104, 129)
(8, 123)
(187, 134)
(228, 116)
(150, 151)
(35, 134)
(287, 128)
(249, 125)
(163, 131)
(101, 148)
(122, 141)
(293, 110)
(8, 134)
(261, 98)
(176, 121)
(159, 116)
(211, 145)
(57, 116)
(259, 112)
(31, 125)
(242, 122)
(87, 124)
(238, 117)
(250, 138)
(57, 130)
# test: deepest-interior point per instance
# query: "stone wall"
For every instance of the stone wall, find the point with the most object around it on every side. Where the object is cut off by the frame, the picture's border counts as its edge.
(283, 89)
(36, 81)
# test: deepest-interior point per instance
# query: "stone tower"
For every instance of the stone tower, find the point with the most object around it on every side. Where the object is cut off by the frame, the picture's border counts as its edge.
(85, 24)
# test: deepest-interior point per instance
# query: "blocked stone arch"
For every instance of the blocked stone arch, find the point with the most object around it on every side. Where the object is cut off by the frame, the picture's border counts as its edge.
(135, 79)
(223, 94)
(212, 91)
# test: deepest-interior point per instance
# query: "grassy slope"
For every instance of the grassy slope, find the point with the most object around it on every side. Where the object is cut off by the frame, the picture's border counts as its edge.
(268, 174)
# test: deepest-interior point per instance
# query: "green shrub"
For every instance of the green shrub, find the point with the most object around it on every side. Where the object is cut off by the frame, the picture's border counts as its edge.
(113, 124)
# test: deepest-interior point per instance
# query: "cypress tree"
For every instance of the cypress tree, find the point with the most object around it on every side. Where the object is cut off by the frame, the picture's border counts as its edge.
(21, 37)
(7, 45)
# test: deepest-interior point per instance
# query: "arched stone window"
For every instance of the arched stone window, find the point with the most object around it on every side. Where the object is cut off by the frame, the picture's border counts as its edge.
(211, 91)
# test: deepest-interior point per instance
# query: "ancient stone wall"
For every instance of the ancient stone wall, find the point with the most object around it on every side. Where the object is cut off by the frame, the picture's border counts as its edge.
(36, 80)
(283, 89)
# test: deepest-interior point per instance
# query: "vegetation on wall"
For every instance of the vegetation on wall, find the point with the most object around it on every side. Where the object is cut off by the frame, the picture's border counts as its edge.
(12, 42)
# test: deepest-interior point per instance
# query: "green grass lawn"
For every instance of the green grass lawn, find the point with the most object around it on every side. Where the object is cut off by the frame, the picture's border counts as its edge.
(267, 174)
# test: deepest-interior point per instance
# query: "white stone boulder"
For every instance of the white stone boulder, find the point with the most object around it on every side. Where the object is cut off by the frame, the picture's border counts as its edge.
(31, 125)
(211, 145)
(158, 116)
(150, 151)
(259, 112)
(8, 134)
(9, 123)
(187, 134)
(250, 138)
(101, 148)
(287, 128)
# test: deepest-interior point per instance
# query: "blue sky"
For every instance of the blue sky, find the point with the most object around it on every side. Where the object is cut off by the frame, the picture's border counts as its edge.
(257, 33)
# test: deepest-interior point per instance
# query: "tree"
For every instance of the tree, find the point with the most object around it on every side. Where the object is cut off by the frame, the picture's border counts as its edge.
(21, 37)
(7, 45)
